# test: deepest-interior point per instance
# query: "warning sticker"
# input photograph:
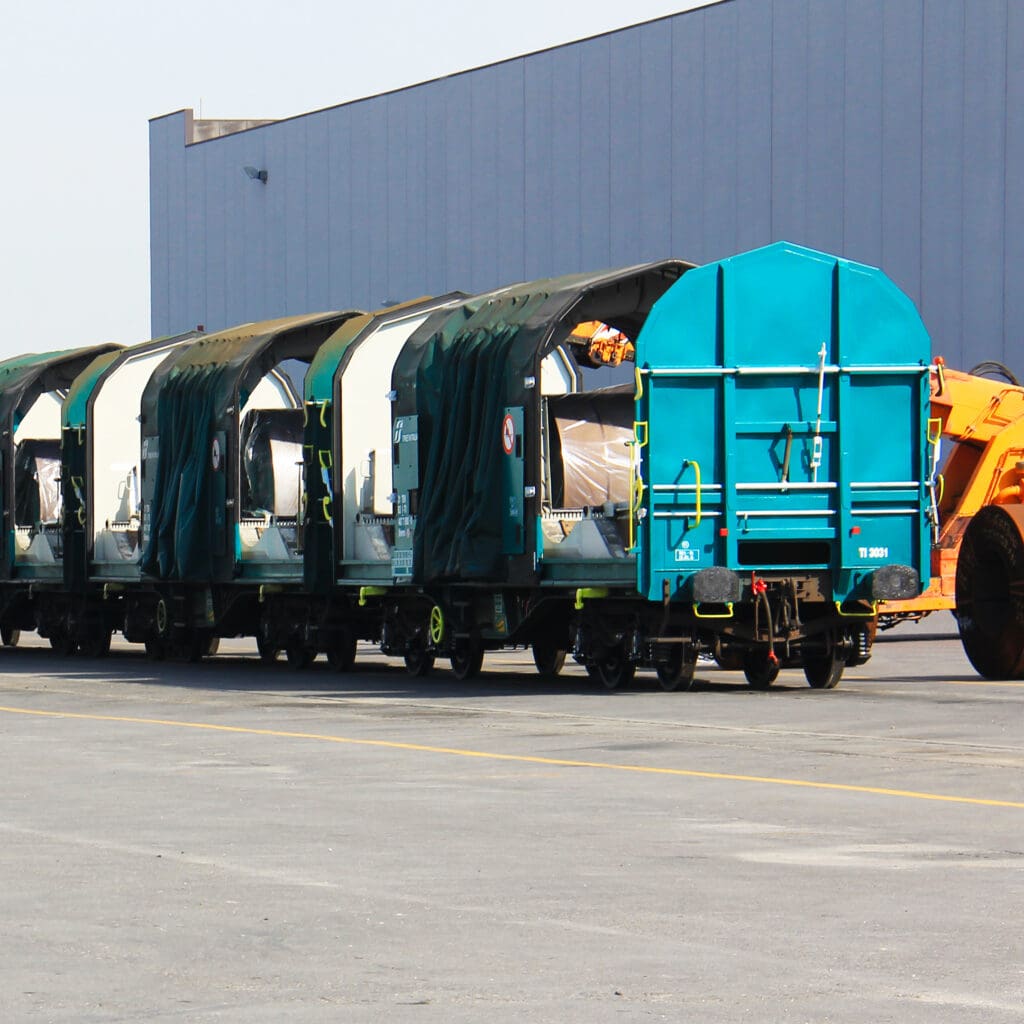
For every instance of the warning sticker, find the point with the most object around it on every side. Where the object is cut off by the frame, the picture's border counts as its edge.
(508, 434)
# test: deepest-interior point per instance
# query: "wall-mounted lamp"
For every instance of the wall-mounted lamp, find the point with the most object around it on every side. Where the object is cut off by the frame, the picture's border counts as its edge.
(256, 173)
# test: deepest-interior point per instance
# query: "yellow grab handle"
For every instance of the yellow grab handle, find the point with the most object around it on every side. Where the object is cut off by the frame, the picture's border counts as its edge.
(857, 615)
(713, 615)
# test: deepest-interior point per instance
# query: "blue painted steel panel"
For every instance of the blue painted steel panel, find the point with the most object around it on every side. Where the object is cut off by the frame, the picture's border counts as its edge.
(317, 198)
(788, 86)
(901, 152)
(218, 193)
(596, 156)
(624, 116)
(508, 170)
(720, 108)
(538, 188)
(942, 194)
(752, 132)
(984, 173)
(410, 206)
(862, 143)
(175, 226)
(341, 254)
(889, 132)
(654, 224)
(1013, 239)
(363, 170)
(690, 181)
(233, 249)
(293, 269)
(485, 157)
(458, 179)
(824, 146)
(275, 251)
(433, 274)
(159, 200)
(371, 236)
(564, 256)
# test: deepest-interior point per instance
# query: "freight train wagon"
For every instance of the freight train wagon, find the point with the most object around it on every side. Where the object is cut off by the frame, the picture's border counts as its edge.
(461, 474)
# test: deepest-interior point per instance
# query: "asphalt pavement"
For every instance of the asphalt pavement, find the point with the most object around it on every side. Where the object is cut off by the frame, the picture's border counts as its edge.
(235, 842)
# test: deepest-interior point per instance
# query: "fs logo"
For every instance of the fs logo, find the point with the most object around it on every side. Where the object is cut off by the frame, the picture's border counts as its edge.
(398, 431)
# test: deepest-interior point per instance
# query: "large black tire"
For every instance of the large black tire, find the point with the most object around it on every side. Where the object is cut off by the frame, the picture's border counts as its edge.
(990, 592)
(10, 636)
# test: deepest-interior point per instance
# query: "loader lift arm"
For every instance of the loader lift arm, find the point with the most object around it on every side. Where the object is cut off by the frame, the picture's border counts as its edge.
(978, 553)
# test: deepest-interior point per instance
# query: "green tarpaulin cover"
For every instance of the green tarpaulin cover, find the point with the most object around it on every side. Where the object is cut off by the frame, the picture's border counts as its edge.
(466, 373)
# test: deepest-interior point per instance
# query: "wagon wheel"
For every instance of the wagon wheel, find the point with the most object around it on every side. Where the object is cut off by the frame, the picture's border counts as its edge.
(467, 659)
(419, 661)
(548, 658)
(156, 650)
(62, 640)
(268, 652)
(299, 655)
(823, 671)
(613, 669)
(341, 654)
(760, 670)
(95, 643)
(676, 671)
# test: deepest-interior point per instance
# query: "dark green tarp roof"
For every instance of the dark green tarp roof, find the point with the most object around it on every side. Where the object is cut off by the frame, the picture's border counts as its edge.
(458, 379)
(24, 378)
(190, 399)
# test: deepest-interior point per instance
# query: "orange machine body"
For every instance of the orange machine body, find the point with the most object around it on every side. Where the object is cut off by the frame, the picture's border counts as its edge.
(985, 421)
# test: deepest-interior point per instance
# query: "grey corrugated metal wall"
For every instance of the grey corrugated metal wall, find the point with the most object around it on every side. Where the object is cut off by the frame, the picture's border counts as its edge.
(889, 131)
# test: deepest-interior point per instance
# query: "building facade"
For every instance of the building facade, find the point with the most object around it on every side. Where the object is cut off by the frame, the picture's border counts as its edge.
(888, 131)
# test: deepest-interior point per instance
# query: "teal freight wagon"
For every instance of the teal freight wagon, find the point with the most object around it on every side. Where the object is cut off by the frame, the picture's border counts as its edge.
(753, 493)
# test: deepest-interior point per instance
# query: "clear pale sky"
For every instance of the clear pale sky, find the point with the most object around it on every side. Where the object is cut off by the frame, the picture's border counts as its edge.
(81, 80)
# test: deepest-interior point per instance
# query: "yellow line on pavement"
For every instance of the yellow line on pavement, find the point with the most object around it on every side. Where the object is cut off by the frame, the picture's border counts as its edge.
(521, 758)
(979, 682)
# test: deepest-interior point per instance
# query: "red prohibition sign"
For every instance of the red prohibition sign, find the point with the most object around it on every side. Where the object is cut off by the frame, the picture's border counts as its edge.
(508, 434)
